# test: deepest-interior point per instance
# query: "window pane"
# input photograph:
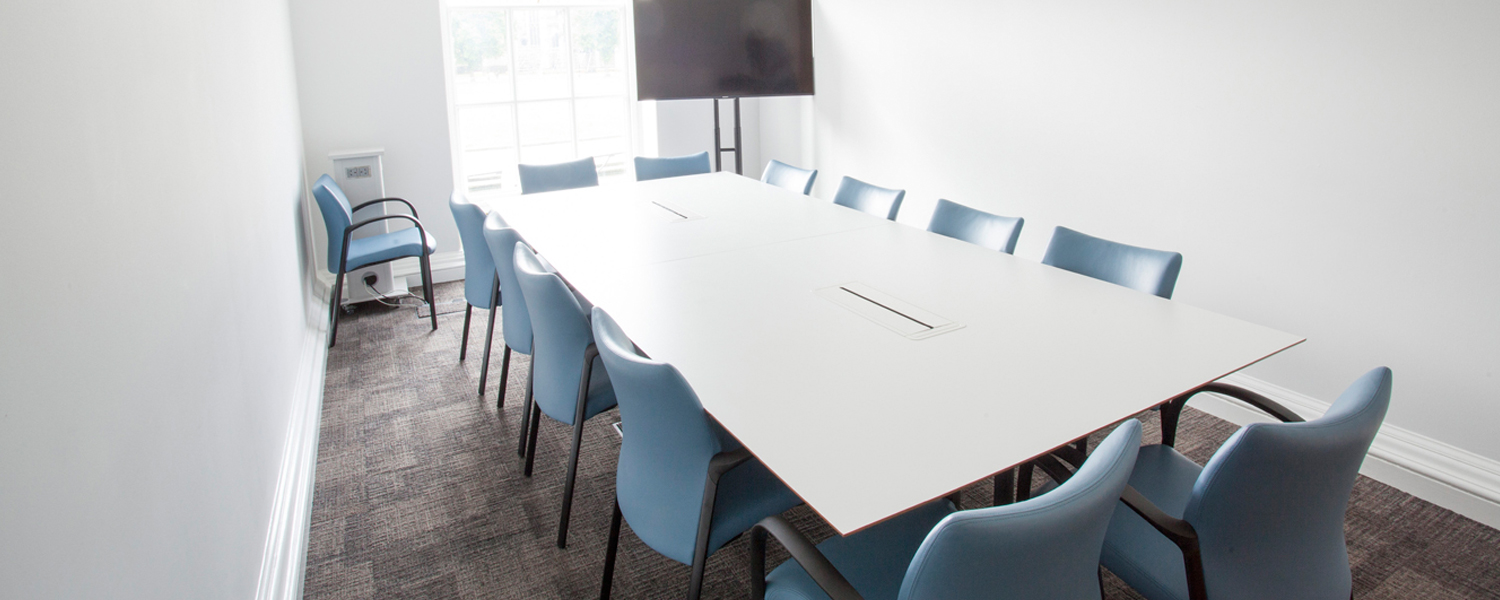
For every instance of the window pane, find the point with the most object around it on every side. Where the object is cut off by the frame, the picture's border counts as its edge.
(598, 51)
(547, 154)
(541, 46)
(601, 117)
(482, 127)
(491, 170)
(481, 57)
(610, 155)
(544, 122)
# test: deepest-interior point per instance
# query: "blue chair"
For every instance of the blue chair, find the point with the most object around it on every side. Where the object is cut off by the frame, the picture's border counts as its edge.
(785, 176)
(647, 168)
(346, 254)
(1263, 519)
(516, 321)
(976, 226)
(536, 179)
(481, 282)
(867, 198)
(568, 382)
(1044, 548)
(1141, 269)
(686, 486)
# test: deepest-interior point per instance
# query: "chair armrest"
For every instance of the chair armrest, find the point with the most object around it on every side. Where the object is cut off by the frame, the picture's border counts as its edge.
(1180, 532)
(409, 207)
(722, 462)
(1177, 530)
(351, 228)
(1266, 405)
(349, 233)
(803, 551)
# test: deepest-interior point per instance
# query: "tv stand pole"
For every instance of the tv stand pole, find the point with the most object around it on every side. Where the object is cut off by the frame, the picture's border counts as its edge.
(739, 163)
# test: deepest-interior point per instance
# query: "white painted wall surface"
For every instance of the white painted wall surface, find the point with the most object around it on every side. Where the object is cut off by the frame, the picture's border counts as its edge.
(1328, 168)
(370, 74)
(157, 318)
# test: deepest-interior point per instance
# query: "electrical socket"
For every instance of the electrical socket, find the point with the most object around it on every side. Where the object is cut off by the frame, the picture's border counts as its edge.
(360, 172)
(370, 280)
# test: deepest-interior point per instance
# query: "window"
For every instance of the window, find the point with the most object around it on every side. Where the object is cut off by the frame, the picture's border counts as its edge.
(540, 83)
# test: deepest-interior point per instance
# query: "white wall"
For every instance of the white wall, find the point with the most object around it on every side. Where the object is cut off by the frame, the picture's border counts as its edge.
(151, 175)
(1329, 168)
(370, 74)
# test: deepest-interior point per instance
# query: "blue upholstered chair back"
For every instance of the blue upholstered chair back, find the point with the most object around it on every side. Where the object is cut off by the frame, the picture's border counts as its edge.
(976, 226)
(785, 176)
(536, 179)
(337, 217)
(1043, 548)
(647, 168)
(1142, 269)
(1269, 506)
(560, 334)
(871, 199)
(516, 322)
(668, 443)
(479, 265)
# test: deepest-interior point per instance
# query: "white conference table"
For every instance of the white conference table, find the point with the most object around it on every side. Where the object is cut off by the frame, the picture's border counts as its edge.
(762, 299)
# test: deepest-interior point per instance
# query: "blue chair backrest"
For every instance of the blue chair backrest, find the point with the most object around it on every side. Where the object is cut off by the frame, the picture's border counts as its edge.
(1269, 506)
(479, 265)
(668, 443)
(647, 168)
(515, 321)
(785, 176)
(866, 198)
(536, 179)
(1043, 548)
(337, 217)
(560, 334)
(1141, 269)
(976, 226)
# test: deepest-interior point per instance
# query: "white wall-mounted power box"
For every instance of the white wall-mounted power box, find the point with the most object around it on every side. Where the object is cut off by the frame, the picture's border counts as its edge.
(360, 174)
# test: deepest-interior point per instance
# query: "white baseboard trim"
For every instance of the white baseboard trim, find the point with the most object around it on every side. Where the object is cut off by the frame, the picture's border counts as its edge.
(446, 266)
(284, 560)
(1450, 477)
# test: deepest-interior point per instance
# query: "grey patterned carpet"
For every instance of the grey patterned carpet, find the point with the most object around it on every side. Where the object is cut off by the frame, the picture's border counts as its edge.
(419, 491)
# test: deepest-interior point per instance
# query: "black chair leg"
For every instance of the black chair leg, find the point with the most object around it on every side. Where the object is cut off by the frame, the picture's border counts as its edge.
(1023, 481)
(504, 379)
(567, 503)
(536, 423)
(333, 308)
(463, 345)
(1005, 487)
(489, 336)
(1171, 413)
(427, 288)
(610, 552)
(525, 415)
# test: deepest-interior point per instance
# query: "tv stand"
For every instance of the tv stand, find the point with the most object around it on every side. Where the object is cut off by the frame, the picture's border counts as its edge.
(719, 149)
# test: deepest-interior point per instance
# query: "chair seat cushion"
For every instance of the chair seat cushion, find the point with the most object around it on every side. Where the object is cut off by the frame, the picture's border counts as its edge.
(1141, 556)
(388, 246)
(874, 560)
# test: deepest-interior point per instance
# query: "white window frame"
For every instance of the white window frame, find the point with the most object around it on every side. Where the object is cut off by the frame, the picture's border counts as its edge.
(635, 130)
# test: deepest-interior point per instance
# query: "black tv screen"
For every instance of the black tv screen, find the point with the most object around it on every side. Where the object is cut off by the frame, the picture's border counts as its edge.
(723, 48)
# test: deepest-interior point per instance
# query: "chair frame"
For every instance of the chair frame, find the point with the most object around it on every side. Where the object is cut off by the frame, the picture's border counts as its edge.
(338, 283)
(720, 464)
(489, 338)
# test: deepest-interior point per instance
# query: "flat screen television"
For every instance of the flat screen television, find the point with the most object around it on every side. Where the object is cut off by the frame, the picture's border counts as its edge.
(723, 48)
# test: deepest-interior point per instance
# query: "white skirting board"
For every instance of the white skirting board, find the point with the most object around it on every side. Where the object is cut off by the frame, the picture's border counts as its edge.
(1450, 477)
(284, 560)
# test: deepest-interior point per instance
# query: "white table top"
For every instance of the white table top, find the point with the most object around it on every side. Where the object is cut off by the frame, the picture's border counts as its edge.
(862, 421)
